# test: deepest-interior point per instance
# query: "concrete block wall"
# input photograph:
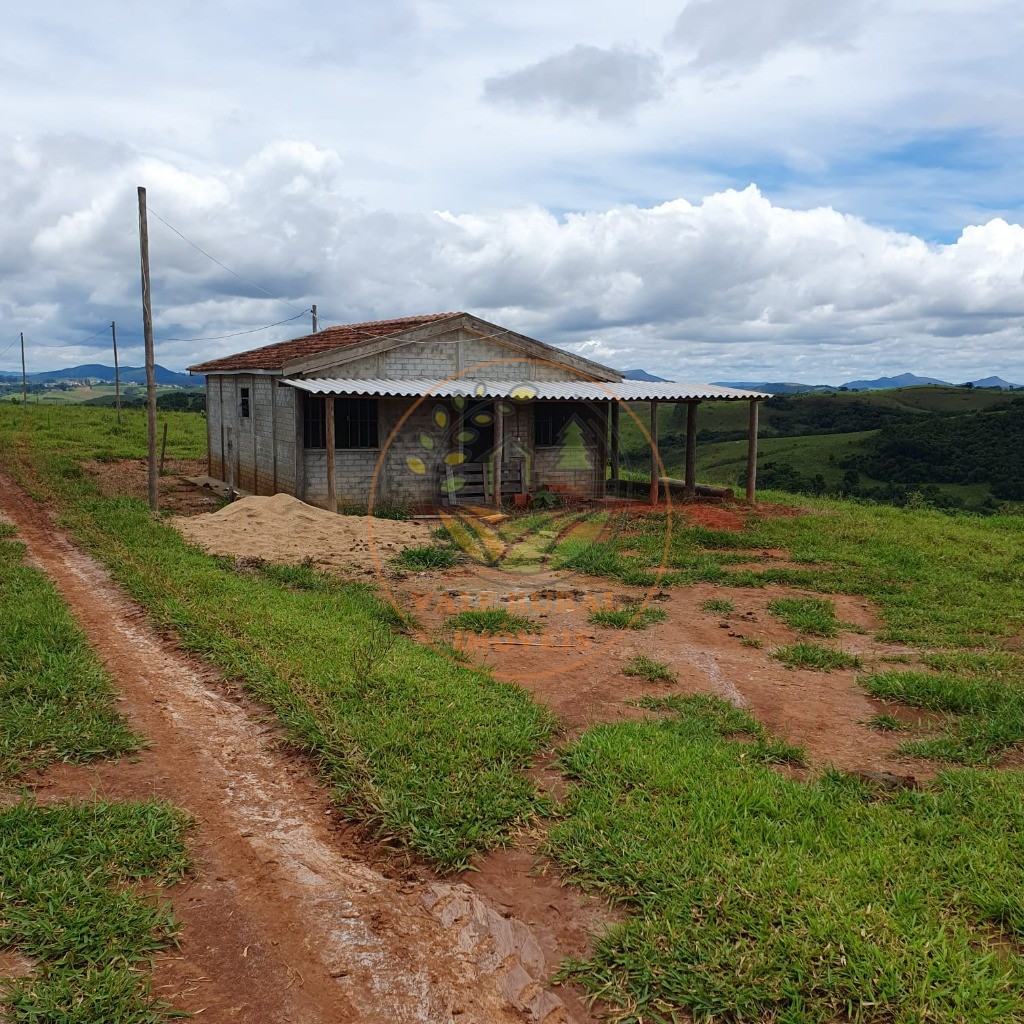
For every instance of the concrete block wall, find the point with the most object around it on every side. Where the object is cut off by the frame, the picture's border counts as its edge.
(285, 399)
(214, 429)
(268, 443)
(582, 469)
(262, 409)
(245, 438)
(452, 355)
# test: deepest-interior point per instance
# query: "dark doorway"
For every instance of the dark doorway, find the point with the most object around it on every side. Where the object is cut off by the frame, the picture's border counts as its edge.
(476, 431)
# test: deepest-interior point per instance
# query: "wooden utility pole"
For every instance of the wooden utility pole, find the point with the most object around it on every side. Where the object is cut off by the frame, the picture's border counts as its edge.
(147, 328)
(24, 379)
(117, 373)
(316, 319)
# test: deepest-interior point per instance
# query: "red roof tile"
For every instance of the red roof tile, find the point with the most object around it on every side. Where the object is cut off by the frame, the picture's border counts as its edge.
(273, 357)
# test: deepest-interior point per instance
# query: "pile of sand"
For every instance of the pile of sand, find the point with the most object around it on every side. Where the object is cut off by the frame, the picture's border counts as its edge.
(284, 529)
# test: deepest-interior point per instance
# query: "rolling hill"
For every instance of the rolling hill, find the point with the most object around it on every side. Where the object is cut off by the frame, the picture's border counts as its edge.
(950, 446)
(101, 372)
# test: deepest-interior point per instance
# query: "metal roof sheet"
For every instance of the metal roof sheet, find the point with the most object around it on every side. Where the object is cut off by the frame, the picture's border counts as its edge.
(525, 390)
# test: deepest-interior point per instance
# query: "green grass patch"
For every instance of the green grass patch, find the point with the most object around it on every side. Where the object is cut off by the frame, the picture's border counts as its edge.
(652, 671)
(888, 723)
(718, 606)
(815, 656)
(754, 897)
(430, 754)
(813, 616)
(56, 700)
(630, 616)
(72, 906)
(425, 557)
(749, 641)
(494, 622)
(985, 715)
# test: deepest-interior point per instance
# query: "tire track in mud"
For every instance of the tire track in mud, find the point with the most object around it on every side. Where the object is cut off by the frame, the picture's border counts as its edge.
(282, 922)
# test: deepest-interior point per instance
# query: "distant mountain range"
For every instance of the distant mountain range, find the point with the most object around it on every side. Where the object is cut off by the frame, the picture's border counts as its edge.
(99, 372)
(644, 375)
(773, 387)
(903, 380)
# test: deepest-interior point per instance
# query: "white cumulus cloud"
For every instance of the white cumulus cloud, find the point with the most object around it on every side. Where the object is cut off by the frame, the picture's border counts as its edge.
(731, 287)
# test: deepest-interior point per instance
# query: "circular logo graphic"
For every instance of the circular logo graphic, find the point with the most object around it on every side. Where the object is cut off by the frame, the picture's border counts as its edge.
(521, 493)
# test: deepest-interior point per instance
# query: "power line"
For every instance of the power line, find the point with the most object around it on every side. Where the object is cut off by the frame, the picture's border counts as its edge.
(224, 267)
(237, 334)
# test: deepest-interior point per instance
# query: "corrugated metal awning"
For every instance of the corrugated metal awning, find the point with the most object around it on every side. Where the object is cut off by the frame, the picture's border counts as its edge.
(422, 387)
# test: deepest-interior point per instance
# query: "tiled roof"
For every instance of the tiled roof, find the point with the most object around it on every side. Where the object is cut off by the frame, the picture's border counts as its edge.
(273, 357)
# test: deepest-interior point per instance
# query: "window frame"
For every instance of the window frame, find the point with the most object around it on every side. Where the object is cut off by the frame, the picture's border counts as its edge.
(362, 421)
(361, 424)
(560, 415)
(245, 403)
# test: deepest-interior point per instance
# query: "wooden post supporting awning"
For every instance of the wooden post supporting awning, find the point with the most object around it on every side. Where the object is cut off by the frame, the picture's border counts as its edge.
(752, 452)
(655, 467)
(332, 490)
(614, 447)
(498, 454)
(690, 479)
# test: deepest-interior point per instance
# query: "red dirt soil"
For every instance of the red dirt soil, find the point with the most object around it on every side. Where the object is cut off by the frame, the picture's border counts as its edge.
(284, 919)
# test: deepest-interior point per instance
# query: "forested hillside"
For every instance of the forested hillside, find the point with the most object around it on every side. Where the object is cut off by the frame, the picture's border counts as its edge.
(946, 446)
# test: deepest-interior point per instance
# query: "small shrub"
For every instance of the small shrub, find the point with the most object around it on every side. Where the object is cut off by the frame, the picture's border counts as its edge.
(426, 556)
(629, 616)
(815, 656)
(544, 499)
(494, 622)
(888, 723)
(653, 671)
(812, 616)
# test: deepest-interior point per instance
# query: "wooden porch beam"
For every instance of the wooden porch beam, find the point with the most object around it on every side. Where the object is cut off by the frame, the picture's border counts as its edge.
(496, 458)
(690, 479)
(752, 452)
(655, 470)
(615, 448)
(332, 490)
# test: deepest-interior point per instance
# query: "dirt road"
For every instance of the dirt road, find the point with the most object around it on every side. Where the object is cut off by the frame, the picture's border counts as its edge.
(282, 920)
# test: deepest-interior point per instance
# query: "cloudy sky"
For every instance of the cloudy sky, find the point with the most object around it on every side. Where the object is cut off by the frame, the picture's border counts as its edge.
(710, 189)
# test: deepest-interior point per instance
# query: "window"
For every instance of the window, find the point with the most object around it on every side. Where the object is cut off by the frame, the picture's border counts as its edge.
(559, 423)
(244, 404)
(314, 422)
(355, 422)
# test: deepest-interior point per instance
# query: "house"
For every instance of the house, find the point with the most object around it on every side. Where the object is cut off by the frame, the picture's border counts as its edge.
(445, 408)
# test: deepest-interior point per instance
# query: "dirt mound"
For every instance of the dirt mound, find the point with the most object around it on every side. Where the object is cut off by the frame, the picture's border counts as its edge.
(284, 529)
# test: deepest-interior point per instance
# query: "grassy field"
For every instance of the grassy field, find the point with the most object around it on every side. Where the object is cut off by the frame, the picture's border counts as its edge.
(757, 898)
(430, 753)
(725, 462)
(73, 906)
(57, 703)
(74, 396)
(752, 894)
(72, 434)
(68, 873)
